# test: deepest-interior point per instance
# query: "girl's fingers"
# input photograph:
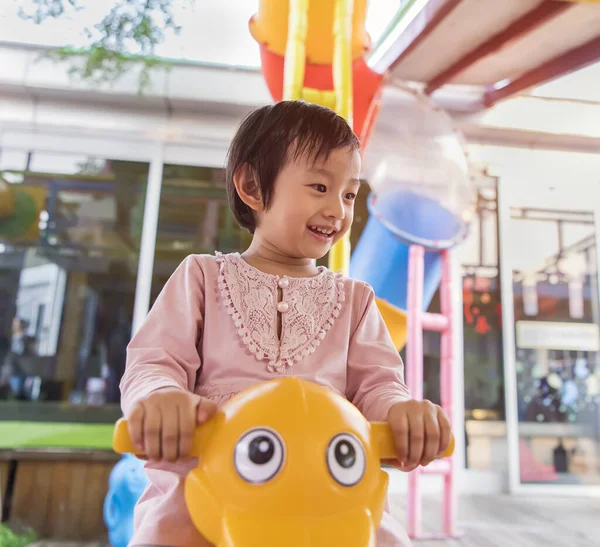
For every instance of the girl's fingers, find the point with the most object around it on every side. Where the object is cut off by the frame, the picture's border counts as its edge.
(187, 425)
(432, 438)
(135, 425)
(153, 432)
(400, 430)
(445, 432)
(170, 433)
(416, 440)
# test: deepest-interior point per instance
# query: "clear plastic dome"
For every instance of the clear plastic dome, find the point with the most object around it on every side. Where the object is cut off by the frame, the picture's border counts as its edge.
(416, 165)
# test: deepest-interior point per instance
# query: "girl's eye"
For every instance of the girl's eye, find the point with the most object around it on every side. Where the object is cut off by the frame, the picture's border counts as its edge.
(320, 188)
(351, 196)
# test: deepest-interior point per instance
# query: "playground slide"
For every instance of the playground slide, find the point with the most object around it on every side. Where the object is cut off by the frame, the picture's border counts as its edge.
(269, 27)
(381, 256)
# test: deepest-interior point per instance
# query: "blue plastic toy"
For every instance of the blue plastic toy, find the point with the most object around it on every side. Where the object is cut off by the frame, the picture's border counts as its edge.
(125, 486)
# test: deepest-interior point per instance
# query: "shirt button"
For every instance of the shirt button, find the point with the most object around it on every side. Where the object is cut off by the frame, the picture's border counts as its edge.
(283, 283)
(282, 307)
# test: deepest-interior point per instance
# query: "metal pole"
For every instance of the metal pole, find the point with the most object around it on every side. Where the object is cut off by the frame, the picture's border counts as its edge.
(148, 240)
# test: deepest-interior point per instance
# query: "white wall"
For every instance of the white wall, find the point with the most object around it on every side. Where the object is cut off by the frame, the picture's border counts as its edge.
(526, 172)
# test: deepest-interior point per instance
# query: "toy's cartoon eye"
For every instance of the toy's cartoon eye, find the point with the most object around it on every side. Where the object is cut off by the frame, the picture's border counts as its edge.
(346, 459)
(259, 455)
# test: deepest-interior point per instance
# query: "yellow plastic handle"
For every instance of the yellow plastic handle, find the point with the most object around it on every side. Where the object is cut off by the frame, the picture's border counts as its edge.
(122, 443)
(381, 432)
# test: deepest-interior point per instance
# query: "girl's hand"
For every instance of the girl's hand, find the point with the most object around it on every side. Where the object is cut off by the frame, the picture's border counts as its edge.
(162, 424)
(421, 431)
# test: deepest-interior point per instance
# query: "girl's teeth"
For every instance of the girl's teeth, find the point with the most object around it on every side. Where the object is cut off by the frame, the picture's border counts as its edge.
(321, 230)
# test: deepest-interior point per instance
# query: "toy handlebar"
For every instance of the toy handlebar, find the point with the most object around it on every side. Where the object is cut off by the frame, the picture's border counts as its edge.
(381, 432)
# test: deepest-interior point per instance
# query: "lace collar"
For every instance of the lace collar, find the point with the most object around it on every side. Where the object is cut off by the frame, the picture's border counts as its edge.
(251, 297)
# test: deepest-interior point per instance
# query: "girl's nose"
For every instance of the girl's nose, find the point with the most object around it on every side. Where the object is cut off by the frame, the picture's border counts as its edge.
(335, 208)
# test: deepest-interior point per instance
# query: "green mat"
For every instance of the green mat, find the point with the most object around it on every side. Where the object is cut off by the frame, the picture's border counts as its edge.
(55, 435)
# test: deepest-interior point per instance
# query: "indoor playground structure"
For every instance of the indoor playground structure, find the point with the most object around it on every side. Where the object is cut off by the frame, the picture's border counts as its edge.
(421, 204)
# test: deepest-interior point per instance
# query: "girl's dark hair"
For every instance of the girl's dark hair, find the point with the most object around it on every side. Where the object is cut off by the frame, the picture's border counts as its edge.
(272, 135)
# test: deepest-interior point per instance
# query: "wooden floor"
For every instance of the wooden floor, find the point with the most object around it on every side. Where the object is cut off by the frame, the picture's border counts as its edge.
(498, 521)
(502, 521)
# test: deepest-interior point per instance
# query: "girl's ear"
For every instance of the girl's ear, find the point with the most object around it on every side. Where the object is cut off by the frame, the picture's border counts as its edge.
(247, 187)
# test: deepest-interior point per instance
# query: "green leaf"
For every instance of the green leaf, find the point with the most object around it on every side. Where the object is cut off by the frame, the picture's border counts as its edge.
(8, 538)
(126, 36)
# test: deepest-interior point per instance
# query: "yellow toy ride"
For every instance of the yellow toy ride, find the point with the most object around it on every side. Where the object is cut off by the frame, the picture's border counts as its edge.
(286, 462)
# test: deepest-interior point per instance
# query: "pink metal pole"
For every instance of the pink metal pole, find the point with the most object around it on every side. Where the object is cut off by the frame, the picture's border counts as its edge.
(446, 376)
(414, 371)
(414, 347)
(446, 350)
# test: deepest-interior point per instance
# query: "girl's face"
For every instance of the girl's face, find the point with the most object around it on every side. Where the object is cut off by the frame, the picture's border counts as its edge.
(312, 206)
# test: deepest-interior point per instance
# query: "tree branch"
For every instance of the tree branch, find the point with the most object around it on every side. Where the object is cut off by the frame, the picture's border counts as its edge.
(128, 34)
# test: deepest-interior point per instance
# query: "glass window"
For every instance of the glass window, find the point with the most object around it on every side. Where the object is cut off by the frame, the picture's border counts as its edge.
(482, 326)
(485, 427)
(194, 218)
(553, 260)
(70, 229)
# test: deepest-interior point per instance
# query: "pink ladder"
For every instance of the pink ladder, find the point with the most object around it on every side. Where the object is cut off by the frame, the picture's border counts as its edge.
(442, 322)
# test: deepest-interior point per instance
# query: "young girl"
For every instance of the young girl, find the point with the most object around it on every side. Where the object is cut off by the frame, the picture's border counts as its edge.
(223, 323)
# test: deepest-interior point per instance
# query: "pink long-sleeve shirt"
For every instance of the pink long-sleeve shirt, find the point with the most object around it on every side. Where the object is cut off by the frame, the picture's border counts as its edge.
(213, 330)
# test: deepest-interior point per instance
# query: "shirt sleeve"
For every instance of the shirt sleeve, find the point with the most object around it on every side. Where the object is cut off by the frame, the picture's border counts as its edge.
(164, 351)
(375, 376)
